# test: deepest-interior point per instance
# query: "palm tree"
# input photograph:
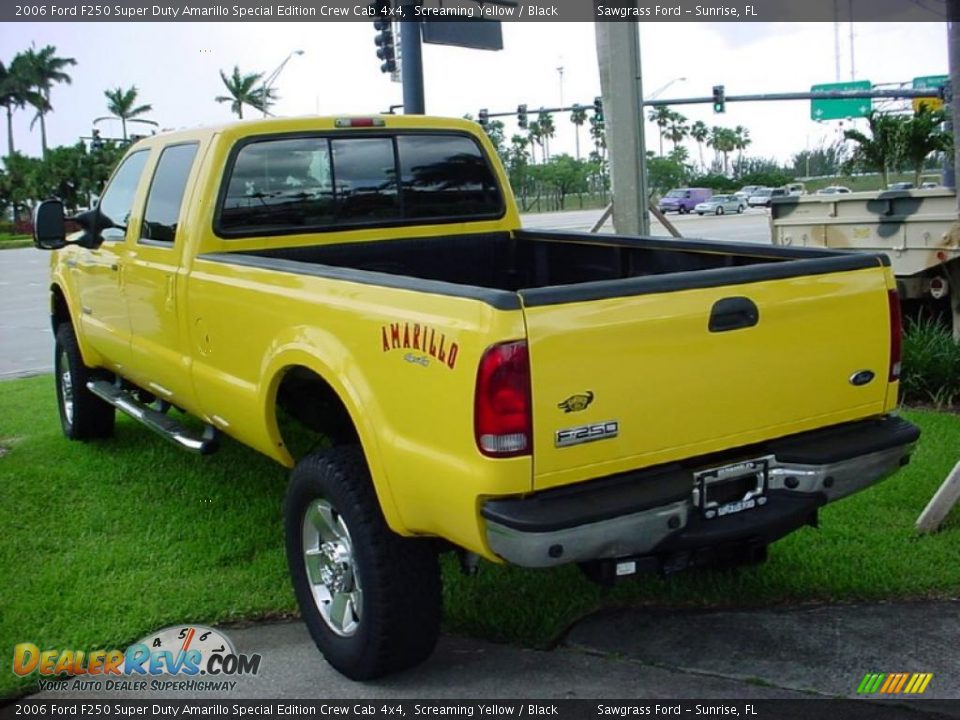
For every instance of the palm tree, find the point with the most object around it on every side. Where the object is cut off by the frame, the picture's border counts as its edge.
(677, 128)
(660, 114)
(578, 117)
(741, 142)
(923, 134)
(724, 141)
(547, 131)
(700, 132)
(122, 105)
(535, 133)
(882, 151)
(44, 69)
(14, 92)
(245, 90)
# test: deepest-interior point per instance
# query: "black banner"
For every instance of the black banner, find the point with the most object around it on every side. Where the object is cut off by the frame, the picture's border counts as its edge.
(484, 709)
(459, 10)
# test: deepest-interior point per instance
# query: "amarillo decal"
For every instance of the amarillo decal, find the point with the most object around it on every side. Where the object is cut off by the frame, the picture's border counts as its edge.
(414, 336)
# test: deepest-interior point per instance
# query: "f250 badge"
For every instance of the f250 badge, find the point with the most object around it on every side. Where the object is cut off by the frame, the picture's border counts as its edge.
(576, 403)
(587, 433)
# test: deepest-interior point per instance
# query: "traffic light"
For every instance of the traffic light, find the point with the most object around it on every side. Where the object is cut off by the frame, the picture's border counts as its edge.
(522, 116)
(386, 50)
(483, 118)
(598, 109)
(719, 99)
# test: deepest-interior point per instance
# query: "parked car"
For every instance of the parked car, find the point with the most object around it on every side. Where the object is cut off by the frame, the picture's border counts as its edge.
(684, 200)
(929, 185)
(833, 190)
(720, 204)
(901, 186)
(763, 196)
(746, 191)
(796, 189)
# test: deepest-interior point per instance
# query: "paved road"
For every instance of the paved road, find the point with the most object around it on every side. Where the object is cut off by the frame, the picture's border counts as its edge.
(754, 654)
(751, 226)
(26, 345)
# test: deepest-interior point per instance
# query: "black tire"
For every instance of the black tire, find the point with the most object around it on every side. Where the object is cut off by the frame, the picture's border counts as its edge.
(83, 416)
(398, 579)
(700, 214)
(719, 210)
(739, 209)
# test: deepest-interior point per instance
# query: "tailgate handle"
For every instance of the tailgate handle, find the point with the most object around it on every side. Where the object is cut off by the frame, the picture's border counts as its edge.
(733, 313)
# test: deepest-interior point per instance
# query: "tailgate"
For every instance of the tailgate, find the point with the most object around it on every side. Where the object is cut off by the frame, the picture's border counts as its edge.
(631, 381)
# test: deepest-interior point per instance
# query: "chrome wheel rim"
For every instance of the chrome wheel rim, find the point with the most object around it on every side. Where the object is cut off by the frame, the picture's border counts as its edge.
(66, 387)
(331, 569)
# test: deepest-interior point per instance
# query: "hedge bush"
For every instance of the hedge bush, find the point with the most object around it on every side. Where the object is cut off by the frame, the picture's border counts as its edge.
(931, 364)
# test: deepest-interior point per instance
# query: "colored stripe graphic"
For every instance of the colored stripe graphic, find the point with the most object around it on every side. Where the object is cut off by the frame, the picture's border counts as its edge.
(894, 683)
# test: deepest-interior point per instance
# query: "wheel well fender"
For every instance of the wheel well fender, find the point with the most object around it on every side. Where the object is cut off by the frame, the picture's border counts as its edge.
(306, 365)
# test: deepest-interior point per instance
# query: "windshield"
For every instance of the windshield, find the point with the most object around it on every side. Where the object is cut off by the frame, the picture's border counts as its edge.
(677, 194)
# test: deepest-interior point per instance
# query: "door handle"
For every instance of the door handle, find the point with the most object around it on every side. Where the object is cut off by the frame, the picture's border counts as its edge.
(733, 313)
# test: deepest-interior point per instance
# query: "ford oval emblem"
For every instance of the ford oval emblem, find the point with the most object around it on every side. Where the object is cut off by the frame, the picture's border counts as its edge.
(862, 377)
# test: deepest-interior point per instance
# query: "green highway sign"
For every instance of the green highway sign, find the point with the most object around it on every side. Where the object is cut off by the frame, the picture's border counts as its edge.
(840, 108)
(934, 82)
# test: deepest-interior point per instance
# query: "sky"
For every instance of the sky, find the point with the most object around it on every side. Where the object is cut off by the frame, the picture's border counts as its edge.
(175, 67)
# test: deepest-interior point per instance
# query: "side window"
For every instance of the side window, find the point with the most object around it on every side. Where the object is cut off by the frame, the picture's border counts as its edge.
(166, 193)
(117, 200)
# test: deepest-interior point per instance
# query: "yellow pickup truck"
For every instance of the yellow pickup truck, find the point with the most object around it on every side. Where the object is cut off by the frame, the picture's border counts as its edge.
(356, 298)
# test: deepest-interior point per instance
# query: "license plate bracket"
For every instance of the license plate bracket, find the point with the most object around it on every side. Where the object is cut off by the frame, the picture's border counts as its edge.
(729, 489)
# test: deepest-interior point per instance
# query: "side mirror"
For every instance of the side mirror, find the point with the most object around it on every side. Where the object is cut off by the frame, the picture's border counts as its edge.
(49, 225)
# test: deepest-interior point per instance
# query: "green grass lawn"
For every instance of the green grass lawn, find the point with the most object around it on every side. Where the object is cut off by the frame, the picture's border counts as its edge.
(14, 241)
(102, 543)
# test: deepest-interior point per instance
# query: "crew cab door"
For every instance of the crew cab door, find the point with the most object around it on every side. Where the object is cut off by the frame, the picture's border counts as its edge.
(153, 278)
(100, 272)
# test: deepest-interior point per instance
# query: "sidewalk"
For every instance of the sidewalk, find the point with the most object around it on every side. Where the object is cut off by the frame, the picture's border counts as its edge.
(755, 654)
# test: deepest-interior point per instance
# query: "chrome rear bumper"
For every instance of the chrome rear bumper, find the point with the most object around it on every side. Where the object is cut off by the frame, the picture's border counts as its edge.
(555, 528)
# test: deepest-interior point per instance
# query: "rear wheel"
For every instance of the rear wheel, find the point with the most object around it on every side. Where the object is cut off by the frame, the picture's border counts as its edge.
(83, 416)
(370, 598)
(719, 211)
(739, 209)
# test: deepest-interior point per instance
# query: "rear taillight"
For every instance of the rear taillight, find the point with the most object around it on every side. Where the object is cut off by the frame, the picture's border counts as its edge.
(502, 419)
(895, 330)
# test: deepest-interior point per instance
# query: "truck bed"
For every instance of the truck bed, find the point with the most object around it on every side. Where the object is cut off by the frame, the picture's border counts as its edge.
(549, 262)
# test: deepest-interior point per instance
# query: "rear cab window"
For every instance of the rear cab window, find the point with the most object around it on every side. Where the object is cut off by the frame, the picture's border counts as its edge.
(284, 185)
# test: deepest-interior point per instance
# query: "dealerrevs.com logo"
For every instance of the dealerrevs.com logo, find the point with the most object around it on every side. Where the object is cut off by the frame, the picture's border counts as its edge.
(177, 658)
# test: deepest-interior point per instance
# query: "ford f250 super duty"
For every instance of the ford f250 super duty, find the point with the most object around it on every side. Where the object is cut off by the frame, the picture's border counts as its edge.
(530, 397)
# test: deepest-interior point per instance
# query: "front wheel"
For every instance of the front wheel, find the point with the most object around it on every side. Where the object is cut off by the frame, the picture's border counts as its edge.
(719, 211)
(370, 598)
(739, 209)
(83, 416)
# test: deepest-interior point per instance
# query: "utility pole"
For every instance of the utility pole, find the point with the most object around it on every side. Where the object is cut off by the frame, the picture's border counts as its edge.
(953, 89)
(411, 61)
(621, 83)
